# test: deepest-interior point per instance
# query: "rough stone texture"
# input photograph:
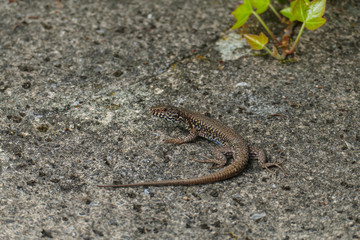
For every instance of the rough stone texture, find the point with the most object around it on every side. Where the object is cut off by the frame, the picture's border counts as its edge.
(77, 78)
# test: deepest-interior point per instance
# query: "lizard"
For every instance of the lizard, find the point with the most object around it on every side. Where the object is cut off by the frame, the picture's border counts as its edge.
(228, 140)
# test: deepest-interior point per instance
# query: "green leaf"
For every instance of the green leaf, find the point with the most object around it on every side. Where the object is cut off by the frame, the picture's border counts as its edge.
(316, 9)
(299, 10)
(256, 42)
(287, 13)
(242, 13)
(315, 23)
(260, 5)
(310, 13)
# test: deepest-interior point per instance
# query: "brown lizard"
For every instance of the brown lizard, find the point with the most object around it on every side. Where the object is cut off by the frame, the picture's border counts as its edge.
(230, 143)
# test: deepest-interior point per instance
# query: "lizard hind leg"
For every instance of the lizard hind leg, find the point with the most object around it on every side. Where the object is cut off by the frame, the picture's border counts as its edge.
(219, 159)
(260, 155)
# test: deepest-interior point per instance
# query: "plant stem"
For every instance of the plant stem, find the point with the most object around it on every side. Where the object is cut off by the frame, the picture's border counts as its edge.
(271, 54)
(277, 56)
(297, 39)
(268, 50)
(275, 12)
(266, 28)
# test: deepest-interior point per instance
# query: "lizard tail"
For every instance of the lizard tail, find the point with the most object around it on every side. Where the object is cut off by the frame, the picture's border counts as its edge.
(230, 171)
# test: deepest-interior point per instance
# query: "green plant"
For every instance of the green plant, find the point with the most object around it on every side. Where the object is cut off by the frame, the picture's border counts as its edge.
(308, 12)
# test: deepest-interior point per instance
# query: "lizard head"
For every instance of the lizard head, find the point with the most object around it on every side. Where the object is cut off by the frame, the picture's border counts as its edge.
(167, 112)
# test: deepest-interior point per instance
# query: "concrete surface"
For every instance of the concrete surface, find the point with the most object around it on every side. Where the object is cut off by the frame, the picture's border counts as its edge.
(77, 78)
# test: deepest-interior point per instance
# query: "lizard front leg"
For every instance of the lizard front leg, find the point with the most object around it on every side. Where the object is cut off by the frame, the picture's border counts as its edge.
(191, 137)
